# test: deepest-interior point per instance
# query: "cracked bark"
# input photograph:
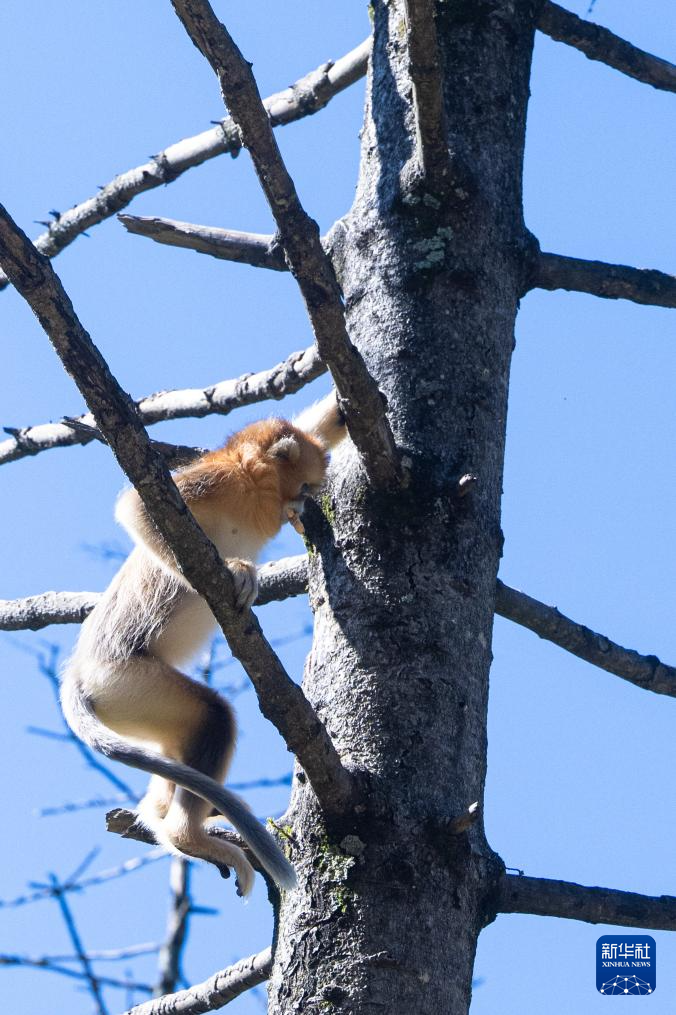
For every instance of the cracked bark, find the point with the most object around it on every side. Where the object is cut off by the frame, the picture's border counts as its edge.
(402, 583)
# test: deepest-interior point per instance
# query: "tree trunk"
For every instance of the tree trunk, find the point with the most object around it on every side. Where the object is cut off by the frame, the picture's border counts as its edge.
(392, 898)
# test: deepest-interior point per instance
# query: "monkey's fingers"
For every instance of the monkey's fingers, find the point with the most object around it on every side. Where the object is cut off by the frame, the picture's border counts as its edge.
(294, 520)
(245, 581)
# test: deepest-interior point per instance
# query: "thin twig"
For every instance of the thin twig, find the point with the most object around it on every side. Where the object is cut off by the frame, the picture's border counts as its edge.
(214, 993)
(611, 281)
(89, 975)
(360, 398)
(598, 43)
(128, 867)
(424, 63)
(53, 965)
(308, 95)
(222, 398)
(281, 700)
(255, 249)
(545, 897)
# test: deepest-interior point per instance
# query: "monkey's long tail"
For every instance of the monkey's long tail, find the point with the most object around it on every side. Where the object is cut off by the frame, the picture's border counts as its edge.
(88, 727)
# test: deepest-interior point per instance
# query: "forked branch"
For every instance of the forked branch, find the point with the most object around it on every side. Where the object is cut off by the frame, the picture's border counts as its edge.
(281, 701)
(359, 395)
(308, 95)
(598, 43)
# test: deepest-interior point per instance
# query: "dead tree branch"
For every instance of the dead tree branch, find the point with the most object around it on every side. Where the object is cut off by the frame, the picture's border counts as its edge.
(87, 969)
(255, 249)
(424, 64)
(277, 580)
(214, 993)
(280, 699)
(546, 621)
(36, 612)
(545, 897)
(598, 43)
(359, 395)
(282, 579)
(53, 965)
(287, 377)
(306, 96)
(611, 281)
(128, 867)
(178, 918)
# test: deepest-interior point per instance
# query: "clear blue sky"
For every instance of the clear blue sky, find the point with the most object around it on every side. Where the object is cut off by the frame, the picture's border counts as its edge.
(580, 781)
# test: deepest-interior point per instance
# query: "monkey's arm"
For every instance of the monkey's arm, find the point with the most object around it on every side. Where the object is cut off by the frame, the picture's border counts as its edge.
(324, 420)
(194, 484)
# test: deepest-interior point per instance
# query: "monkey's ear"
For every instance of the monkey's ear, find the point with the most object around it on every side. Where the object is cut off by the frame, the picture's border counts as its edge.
(286, 448)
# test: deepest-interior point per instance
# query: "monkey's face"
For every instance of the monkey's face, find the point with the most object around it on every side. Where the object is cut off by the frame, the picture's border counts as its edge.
(303, 469)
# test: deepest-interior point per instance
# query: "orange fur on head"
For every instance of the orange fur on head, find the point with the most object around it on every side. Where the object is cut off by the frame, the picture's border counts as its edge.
(256, 474)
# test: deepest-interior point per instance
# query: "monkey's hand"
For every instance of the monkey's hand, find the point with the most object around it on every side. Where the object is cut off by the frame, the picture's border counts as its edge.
(245, 580)
(291, 513)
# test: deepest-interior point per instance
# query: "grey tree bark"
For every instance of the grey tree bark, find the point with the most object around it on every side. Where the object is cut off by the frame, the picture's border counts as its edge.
(403, 583)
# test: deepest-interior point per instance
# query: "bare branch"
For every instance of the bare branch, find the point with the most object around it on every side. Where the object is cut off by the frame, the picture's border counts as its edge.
(281, 579)
(214, 993)
(121, 821)
(287, 377)
(544, 897)
(227, 244)
(611, 281)
(598, 43)
(546, 621)
(177, 925)
(277, 580)
(87, 969)
(424, 64)
(280, 699)
(53, 965)
(307, 96)
(36, 612)
(359, 395)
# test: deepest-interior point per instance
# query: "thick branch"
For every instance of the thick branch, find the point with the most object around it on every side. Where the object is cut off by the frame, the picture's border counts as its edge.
(612, 281)
(299, 235)
(543, 897)
(546, 621)
(214, 993)
(424, 65)
(281, 701)
(227, 244)
(308, 95)
(598, 43)
(222, 398)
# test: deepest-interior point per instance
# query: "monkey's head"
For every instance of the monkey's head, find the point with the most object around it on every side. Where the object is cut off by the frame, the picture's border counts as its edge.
(301, 460)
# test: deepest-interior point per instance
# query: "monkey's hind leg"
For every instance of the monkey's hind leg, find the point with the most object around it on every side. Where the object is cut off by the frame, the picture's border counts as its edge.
(209, 751)
(156, 801)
